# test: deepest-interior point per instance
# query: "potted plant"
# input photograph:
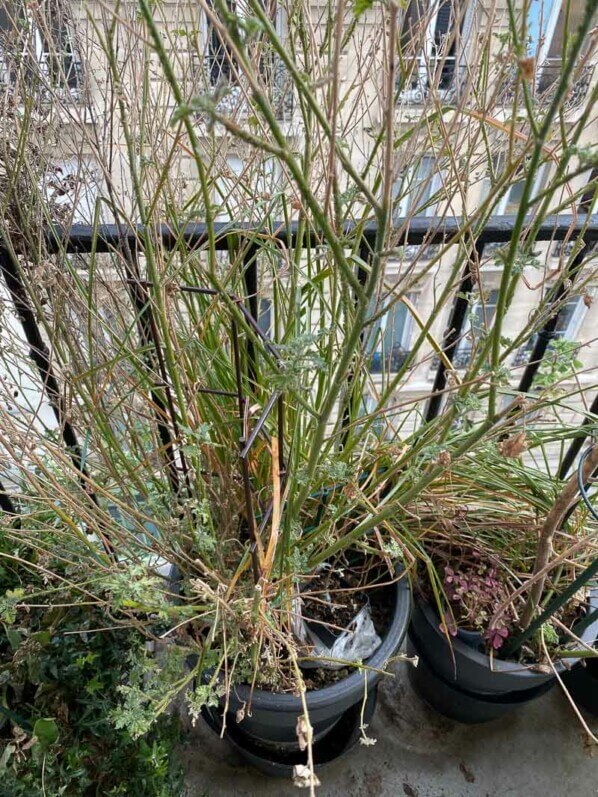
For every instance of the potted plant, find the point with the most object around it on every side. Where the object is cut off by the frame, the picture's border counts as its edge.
(502, 610)
(210, 475)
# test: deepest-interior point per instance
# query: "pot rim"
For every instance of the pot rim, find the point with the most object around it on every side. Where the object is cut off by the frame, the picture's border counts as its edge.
(357, 680)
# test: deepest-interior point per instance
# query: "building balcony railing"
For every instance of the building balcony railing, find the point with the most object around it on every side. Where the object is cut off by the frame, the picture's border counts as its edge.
(546, 81)
(129, 241)
(446, 80)
(443, 77)
(384, 361)
(233, 102)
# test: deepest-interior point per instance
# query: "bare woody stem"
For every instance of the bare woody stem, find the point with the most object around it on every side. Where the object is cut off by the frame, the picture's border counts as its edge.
(553, 522)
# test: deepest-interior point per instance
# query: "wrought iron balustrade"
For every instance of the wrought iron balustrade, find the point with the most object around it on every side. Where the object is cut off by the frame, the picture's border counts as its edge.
(129, 241)
(442, 76)
(545, 84)
(232, 99)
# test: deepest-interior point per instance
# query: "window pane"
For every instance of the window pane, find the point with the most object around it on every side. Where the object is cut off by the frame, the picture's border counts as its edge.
(264, 320)
(480, 319)
(565, 318)
(537, 23)
(445, 43)
(514, 198)
(483, 314)
(390, 338)
(415, 189)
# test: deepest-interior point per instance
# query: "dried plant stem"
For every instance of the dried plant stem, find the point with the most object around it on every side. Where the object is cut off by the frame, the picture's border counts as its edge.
(551, 525)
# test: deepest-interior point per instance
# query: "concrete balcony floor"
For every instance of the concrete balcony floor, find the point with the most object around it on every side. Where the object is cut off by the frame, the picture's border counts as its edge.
(538, 751)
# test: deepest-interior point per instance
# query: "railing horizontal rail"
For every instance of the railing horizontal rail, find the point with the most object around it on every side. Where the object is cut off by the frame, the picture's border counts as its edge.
(107, 237)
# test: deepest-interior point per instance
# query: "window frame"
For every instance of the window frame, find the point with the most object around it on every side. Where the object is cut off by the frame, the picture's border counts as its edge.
(239, 8)
(40, 50)
(422, 77)
(501, 207)
(431, 181)
(570, 332)
(377, 335)
(465, 345)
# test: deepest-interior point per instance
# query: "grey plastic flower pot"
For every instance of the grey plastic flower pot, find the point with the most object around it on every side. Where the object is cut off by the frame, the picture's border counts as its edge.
(582, 680)
(582, 684)
(280, 760)
(463, 683)
(270, 719)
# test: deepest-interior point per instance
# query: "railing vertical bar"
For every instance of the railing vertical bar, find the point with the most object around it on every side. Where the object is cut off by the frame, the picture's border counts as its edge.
(6, 503)
(149, 336)
(453, 331)
(40, 355)
(365, 253)
(242, 403)
(564, 288)
(548, 331)
(577, 443)
(250, 277)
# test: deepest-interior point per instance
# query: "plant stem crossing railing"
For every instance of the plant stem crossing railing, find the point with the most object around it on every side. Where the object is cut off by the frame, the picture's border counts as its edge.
(417, 231)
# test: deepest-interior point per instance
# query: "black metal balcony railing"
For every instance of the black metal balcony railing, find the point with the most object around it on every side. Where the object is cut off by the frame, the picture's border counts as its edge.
(129, 242)
(443, 76)
(446, 78)
(546, 81)
(234, 100)
(392, 360)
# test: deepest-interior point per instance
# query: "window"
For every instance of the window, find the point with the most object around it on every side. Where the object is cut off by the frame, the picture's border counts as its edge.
(413, 190)
(71, 188)
(264, 317)
(421, 251)
(390, 337)
(476, 323)
(221, 63)
(509, 202)
(567, 326)
(228, 189)
(549, 22)
(245, 188)
(36, 44)
(430, 35)
(563, 249)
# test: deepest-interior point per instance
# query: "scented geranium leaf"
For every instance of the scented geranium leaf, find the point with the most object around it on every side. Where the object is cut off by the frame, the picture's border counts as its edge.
(202, 695)
(8, 604)
(135, 587)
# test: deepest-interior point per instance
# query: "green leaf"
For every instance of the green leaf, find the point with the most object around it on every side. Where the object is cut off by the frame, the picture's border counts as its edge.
(46, 732)
(8, 604)
(361, 6)
(14, 637)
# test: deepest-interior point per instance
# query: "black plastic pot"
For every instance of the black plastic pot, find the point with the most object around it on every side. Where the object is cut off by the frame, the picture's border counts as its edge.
(279, 761)
(582, 684)
(270, 725)
(461, 682)
(582, 680)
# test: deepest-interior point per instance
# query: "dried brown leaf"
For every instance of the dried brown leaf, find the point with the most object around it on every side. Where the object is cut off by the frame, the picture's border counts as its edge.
(513, 446)
(528, 68)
